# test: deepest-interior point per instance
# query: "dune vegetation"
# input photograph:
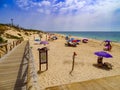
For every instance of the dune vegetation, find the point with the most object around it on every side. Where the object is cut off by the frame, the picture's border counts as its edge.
(8, 32)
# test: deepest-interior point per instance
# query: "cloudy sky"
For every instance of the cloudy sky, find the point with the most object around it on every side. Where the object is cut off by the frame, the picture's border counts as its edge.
(62, 15)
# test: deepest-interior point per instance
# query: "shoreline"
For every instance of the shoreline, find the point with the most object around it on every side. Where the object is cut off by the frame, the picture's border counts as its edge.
(91, 39)
(96, 38)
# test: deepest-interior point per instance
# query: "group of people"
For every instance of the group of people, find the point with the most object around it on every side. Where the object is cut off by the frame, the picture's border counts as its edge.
(74, 42)
(71, 41)
(103, 65)
(51, 37)
(107, 47)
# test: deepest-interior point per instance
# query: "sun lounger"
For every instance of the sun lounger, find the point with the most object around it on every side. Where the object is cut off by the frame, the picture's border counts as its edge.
(107, 65)
(104, 65)
(71, 44)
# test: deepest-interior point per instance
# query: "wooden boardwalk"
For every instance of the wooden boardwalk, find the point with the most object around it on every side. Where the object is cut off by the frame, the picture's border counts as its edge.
(13, 69)
(107, 83)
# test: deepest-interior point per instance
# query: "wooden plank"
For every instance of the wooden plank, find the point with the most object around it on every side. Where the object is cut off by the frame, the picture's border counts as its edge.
(107, 83)
(12, 69)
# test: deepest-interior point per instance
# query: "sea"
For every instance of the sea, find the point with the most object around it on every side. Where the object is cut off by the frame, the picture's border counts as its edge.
(98, 35)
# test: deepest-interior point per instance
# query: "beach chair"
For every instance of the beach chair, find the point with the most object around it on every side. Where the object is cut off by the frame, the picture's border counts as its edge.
(107, 65)
(71, 44)
(54, 38)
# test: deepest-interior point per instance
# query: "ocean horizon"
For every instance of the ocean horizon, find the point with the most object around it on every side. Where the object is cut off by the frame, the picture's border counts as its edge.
(114, 36)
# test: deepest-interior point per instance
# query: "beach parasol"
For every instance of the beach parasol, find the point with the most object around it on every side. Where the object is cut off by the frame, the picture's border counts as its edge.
(103, 54)
(107, 41)
(72, 39)
(37, 39)
(85, 40)
(78, 40)
(44, 42)
(75, 40)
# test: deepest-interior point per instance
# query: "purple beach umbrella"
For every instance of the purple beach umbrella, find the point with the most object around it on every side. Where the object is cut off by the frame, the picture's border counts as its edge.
(107, 41)
(103, 54)
(78, 40)
(44, 42)
(85, 39)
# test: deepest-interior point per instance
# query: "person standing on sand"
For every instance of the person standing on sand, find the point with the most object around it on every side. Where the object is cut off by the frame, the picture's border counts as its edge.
(40, 36)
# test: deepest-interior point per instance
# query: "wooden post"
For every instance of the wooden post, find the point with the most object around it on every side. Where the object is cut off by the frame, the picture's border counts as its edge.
(74, 54)
(13, 44)
(10, 46)
(39, 61)
(46, 37)
(47, 60)
(6, 48)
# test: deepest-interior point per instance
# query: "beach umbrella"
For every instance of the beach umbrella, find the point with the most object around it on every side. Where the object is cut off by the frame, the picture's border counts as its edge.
(85, 40)
(44, 42)
(107, 41)
(78, 40)
(103, 54)
(37, 39)
(74, 40)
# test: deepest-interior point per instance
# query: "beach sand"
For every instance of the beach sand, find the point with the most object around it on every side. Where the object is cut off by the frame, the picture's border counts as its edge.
(60, 62)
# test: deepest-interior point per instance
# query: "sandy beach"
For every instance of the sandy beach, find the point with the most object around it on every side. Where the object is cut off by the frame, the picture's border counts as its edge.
(25, 23)
(60, 62)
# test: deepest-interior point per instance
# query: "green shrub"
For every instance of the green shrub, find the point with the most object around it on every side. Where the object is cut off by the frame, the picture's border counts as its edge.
(19, 34)
(12, 36)
(2, 40)
(26, 33)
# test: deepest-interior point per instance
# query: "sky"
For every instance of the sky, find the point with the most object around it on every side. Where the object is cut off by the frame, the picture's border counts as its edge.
(62, 15)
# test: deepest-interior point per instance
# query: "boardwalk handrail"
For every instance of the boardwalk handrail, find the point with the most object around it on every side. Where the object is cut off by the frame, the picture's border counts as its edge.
(32, 78)
(6, 47)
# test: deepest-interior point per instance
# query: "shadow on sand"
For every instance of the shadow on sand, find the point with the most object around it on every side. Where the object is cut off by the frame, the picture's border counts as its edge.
(102, 67)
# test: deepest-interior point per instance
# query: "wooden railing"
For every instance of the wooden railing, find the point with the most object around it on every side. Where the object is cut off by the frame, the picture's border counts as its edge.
(32, 78)
(6, 47)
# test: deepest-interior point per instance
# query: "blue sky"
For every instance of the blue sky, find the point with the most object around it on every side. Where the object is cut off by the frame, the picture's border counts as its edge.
(62, 15)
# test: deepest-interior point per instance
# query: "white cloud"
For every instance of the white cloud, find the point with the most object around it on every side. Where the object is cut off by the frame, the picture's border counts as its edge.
(47, 12)
(46, 3)
(69, 5)
(24, 4)
(40, 10)
(73, 14)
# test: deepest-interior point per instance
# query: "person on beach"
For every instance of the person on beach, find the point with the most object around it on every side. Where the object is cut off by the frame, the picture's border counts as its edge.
(67, 38)
(100, 61)
(108, 46)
